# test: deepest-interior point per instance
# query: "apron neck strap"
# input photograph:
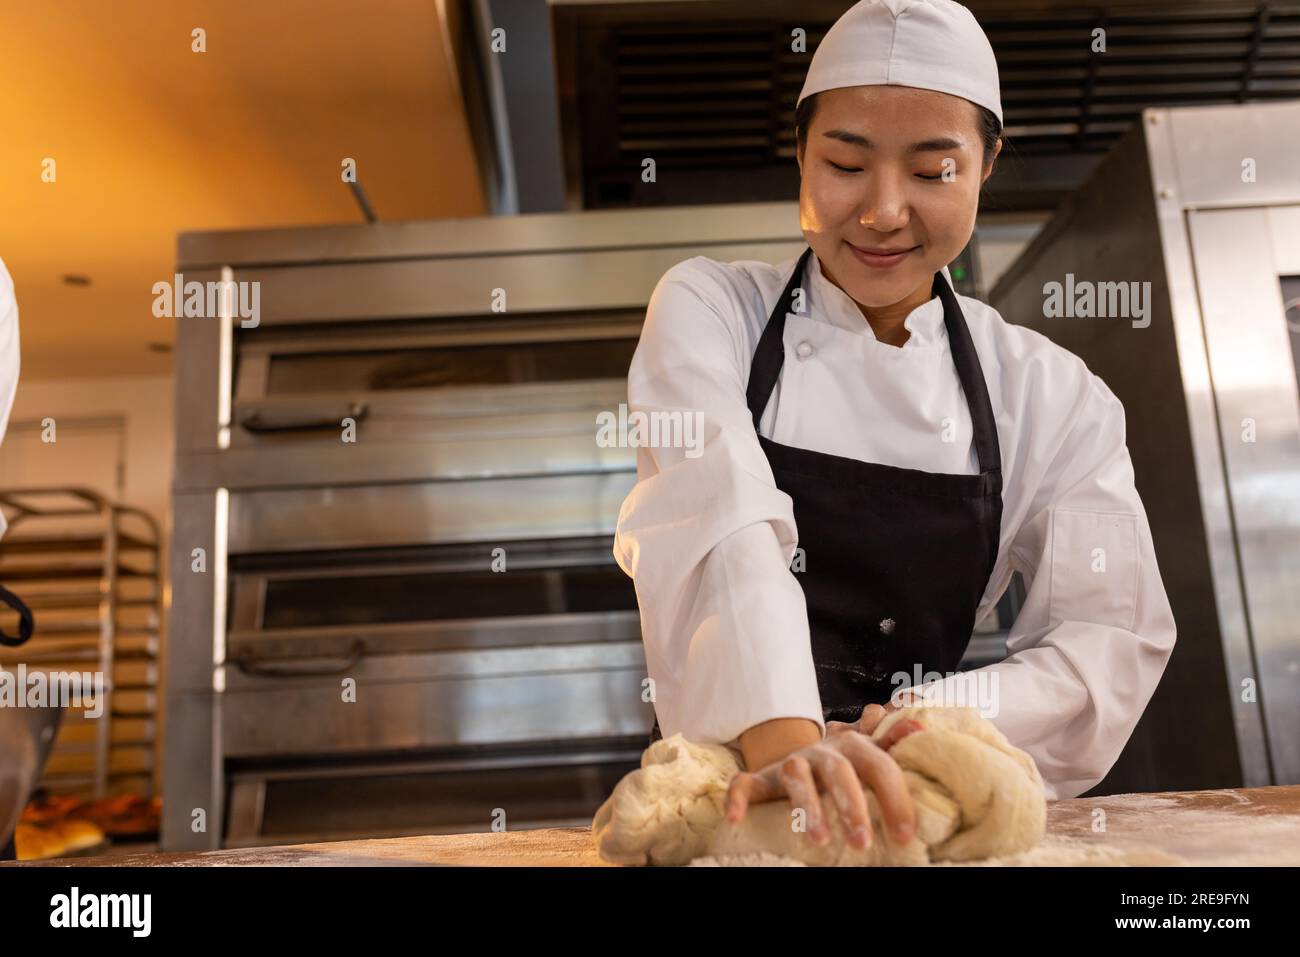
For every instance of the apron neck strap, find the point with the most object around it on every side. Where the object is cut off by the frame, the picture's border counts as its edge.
(770, 354)
(971, 376)
(769, 357)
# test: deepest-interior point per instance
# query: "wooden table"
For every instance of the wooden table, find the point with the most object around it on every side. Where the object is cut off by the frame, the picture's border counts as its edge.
(1247, 826)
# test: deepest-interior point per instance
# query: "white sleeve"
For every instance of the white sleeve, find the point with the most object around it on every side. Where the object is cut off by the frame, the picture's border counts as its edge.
(706, 535)
(1091, 642)
(8, 347)
(8, 355)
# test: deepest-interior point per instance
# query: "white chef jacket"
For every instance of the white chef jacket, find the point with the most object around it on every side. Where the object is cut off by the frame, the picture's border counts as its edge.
(708, 538)
(8, 355)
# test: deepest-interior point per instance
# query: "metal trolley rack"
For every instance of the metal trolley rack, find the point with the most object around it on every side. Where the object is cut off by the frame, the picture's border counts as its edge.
(90, 572)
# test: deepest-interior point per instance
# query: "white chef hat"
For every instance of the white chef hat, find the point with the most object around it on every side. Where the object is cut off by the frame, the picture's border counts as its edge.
(929, 44)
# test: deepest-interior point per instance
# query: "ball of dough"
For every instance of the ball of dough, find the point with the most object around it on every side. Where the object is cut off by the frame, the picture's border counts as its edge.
(975, 796)
(666, 812)
(996, 786)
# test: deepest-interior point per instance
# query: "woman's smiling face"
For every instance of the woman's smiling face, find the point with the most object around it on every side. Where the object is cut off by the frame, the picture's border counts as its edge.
(888, 168)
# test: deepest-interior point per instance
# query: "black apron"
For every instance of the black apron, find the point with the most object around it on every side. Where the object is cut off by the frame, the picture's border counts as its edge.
(895, 559)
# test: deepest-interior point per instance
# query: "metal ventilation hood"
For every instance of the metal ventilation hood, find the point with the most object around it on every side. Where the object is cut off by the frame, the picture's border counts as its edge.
(708, 89)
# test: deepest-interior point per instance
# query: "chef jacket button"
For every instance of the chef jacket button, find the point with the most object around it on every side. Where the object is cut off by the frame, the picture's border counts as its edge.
(804, 349)
(887, 626)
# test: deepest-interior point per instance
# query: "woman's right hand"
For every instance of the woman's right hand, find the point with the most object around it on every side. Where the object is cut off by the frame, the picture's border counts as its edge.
(838, 766)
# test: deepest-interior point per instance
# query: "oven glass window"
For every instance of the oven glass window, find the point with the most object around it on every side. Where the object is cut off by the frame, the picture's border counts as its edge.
(436, 596)
(447, 367)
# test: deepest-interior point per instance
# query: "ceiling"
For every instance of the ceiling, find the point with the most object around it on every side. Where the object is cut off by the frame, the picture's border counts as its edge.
(151, 139)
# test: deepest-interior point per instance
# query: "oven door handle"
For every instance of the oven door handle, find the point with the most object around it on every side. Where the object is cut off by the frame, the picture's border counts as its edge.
(250, 666)
(255, 423)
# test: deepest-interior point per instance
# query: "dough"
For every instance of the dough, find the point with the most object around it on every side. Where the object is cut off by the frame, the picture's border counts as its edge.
(975, 795)
(666, 812)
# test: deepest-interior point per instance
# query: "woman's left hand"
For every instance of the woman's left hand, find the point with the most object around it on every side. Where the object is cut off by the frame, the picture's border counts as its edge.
(871, 716)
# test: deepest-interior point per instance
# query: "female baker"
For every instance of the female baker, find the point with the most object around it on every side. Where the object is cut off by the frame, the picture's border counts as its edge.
(879, 456)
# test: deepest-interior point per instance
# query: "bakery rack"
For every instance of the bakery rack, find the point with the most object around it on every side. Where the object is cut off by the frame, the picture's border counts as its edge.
(89, 570)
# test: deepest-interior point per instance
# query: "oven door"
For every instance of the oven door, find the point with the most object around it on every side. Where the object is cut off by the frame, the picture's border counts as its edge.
(393, 402)
(421, 379)
(431, 647)
(1248, 279)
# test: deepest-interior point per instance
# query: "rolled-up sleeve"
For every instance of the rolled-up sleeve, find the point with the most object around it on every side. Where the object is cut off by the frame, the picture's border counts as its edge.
(705, 534)
(1089, 646)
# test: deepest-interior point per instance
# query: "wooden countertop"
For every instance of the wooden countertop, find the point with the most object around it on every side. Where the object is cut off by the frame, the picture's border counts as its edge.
(1246, 826)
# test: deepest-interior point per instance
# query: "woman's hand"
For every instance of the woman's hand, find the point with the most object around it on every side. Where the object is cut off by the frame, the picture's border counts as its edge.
(839, 765)
(871, 716)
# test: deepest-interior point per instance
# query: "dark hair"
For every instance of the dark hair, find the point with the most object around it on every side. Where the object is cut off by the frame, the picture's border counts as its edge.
(990, 126)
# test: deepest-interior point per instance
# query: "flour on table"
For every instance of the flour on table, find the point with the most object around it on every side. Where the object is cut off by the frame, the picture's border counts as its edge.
(1054, 851)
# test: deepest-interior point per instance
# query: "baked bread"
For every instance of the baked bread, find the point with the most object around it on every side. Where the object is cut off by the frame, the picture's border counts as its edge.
(76, 835)
(36, 843)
